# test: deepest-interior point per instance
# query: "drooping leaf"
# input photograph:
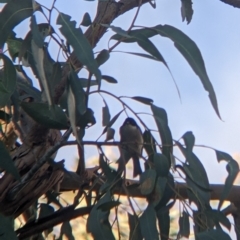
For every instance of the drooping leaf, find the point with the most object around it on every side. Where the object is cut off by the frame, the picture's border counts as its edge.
(97, 223)
(149, 144)
(11, 15)
(161, 164)
(109, 79)
(163, 218)
(7, 80)
(111, 122)
(158, 191)
(161, 120)
(6, 162)
(107, 170)
(144, 55)
(102, 57)
(233, 170)
(86, 21)
(189, 140)
(134, 225)
(38, 56)
(148, 224)
(147, 181)
(105, 114)
(147, 101)
(110, 134)
(184, 225)
(192, 54)
(51, 117)
(7, 228)
(186, 10)
(80, 44)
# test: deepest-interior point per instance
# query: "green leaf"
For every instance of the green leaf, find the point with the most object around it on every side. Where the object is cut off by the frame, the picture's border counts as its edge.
(66, 229)
(149, 144)
(140, 55)
(6, 162)
(233, 170)
(109, 173)
(147, 101)
(102, 57)
(189, 140)
(118, 30)
(212, 234)
(112, 122)
(51, 117)
(106, 114)
(192, 54)
(134, 226)
(163, 218)
(110, 134)
(161, 120)
(147, 32)
(109, 79)
(86, 21)
(161, 164)
(11, 15)
(158, 192)
(80, 44)
(7, 80)
(107, 206)
(149, 47)
(186, 10)
(218, 217)
(14, 45)
(147, 181)
(7, 229)
(148, 224)
(4, 116)
(184, 225)
(97, 223)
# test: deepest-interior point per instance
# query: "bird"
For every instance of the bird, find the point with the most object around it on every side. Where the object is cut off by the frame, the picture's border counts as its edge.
(131, 140)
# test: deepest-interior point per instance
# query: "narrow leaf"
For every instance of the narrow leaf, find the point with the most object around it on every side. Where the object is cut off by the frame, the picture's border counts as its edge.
(80, 44)
(86, 21)
(161, 120)
(192, 54)
(109, 79)
(11, 15)
(148, 224)
(102, 57)
(147, 101)
(106, 114)
(147, 181)
(8, 80)
(184, 225)
(51, 117)
(186, 10)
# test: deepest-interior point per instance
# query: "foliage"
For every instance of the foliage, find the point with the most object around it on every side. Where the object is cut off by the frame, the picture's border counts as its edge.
(62, 103)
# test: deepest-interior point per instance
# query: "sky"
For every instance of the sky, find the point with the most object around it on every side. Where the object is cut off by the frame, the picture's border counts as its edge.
(214, 28)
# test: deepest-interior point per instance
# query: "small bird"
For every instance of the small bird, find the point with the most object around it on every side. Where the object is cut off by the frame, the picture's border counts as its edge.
(132, 144)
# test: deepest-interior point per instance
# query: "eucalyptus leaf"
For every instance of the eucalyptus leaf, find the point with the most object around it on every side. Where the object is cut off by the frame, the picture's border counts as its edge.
(80, 44)
(51, 117)
(192, 54)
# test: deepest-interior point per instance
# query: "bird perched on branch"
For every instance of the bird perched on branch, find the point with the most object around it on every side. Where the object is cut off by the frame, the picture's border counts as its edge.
(131, 145)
